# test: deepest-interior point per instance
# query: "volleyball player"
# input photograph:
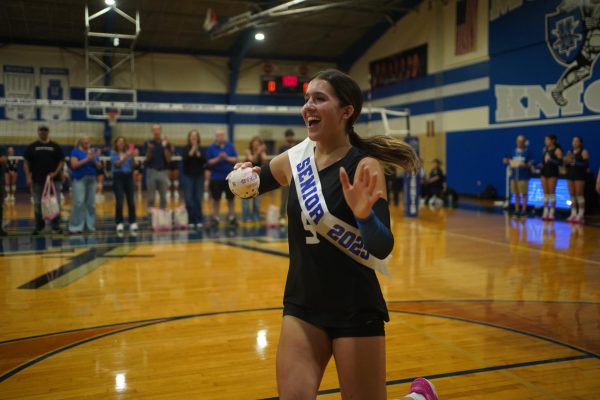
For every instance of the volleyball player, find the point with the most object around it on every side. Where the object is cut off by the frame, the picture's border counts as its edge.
(338, 235)
(577, 162)
(11, 175)
(551, 159)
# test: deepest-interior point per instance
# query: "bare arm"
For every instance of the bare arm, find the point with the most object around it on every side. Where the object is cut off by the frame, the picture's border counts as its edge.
(27, 172)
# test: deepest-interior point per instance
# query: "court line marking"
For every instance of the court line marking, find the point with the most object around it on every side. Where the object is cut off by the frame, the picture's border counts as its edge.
(463, 372)
(77, 267)
(155, 321)
(504, 244)
(493, 301)
(477, 359)
(489, 324)
(272, 252)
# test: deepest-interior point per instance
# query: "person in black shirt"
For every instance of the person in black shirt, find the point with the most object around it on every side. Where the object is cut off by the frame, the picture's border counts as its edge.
(577, 162)
(194, 168)
(338, 235)
(551, 160)
(43, 158)
(434, 184)
(158, 155)
(290, 141)
(3, 162)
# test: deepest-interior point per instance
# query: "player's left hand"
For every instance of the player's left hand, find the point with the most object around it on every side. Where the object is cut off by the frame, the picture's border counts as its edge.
(361, 195)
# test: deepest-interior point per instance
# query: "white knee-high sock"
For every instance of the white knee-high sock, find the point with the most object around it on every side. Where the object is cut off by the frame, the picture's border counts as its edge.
(573, 206)
(581, 205)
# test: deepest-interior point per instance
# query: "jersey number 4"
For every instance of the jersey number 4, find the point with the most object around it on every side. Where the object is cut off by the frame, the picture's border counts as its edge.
(311, 237)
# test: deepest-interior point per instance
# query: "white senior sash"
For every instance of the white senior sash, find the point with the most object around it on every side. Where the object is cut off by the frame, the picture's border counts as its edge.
(345, 237)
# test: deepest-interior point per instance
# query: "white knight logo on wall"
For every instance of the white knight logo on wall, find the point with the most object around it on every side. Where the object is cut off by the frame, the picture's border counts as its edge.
(560, 43)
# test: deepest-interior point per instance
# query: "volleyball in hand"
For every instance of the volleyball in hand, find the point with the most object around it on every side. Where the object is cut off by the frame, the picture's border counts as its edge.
(244, 182)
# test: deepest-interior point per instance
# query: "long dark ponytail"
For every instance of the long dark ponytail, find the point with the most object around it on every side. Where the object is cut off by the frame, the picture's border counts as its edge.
(387, 149)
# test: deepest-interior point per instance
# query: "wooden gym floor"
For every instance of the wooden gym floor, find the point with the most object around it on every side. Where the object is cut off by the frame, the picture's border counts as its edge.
(486, 307)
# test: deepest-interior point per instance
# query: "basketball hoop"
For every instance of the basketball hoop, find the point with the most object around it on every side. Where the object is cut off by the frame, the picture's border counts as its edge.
(112, 117)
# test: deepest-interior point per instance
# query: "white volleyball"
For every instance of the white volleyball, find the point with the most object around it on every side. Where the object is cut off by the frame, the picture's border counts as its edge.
(244, 182)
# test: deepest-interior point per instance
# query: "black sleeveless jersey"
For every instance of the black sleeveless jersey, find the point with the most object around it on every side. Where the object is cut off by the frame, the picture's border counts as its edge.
(550, 167)
(577, 172)
(325, 286)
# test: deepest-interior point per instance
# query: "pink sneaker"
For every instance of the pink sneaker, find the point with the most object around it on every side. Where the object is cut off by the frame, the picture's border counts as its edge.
(578, 219)
(423, 387)
(571, 218)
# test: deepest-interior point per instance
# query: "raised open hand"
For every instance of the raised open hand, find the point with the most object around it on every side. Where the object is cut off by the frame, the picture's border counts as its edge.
(361, 195)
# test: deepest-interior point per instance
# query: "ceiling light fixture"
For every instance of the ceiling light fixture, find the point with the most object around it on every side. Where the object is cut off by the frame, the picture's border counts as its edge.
(116, 42)
(110, 3)
(259, 36)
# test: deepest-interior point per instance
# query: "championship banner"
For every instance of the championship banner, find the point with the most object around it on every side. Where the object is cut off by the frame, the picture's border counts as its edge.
(19, 84)
(54, 85)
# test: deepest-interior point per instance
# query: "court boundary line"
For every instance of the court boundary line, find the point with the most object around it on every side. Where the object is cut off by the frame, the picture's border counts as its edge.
(585, 302)
(506, 328)
(155, 321)
(509, 245)
(463, 372)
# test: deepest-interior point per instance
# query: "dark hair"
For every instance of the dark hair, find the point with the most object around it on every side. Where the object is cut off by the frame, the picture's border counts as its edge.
(554, 140)
(189, 135)
(115, 143)
(289, 132)
(580, 139)
(387, 149)
(251, 142)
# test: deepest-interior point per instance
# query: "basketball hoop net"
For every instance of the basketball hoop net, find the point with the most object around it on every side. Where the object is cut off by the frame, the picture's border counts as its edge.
(113, 116)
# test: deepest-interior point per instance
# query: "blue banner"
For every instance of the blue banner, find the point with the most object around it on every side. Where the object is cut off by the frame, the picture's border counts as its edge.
(542, 59)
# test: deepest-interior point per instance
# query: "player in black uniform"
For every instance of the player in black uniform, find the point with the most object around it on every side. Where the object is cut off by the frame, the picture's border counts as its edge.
(11, 175)
(577, 162)
(552, 157)
(338, 235)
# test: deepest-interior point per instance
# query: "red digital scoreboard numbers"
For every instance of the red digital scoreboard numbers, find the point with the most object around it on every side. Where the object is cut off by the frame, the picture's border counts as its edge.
(284, 85)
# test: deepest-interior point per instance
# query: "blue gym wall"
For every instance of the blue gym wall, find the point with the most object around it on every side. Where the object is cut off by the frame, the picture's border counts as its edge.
(467, 97)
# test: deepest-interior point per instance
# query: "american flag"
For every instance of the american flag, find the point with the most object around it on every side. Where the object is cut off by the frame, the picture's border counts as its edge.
(466, 26)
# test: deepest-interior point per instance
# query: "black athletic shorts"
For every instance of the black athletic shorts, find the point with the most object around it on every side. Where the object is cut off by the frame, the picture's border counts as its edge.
(549, 171)
(371, 328)
(218, 187)
(576, 174)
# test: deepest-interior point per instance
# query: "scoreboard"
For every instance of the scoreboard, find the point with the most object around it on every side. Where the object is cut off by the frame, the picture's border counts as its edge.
(284, 84)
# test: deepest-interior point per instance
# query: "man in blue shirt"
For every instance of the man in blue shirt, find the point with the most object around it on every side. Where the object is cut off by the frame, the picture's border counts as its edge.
(158, 155)
(221, 156)
(520, 172)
